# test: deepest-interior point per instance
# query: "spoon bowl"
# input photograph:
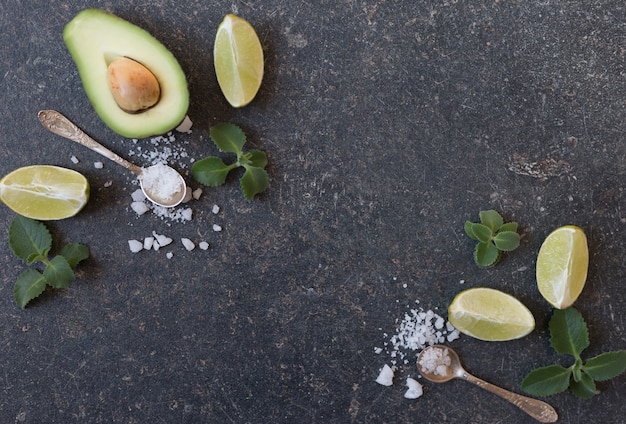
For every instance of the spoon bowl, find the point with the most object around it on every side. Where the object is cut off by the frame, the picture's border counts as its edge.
(439, 364)
(161, 184)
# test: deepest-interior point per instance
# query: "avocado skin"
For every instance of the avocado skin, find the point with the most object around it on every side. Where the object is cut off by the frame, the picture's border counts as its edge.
(94, 37)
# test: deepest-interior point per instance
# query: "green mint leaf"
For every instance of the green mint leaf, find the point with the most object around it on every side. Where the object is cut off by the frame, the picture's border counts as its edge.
(584, 388)
(256, 158)
(211, 171)
(469, 230)
(491, 219)
(606, 366)
(547, 381)
(74, 253)
(486, 254)
(59, 273)
(482, 232)
(30, 240)
(506, 240)
(254, 181)
(509, 226)
(228, 138)
(568, 332)
(28, 286)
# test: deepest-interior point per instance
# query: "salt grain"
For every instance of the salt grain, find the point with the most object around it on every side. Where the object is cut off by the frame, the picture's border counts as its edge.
(185, 126)
(189, 245)
(415, 389)
(169, 255)
(217, 228)
(161, 239)
(148, 242)
(135, 246)
(74, 159)
(215, 210)
(385, 377)
(98, 165)
(138, 195)
(203, 245)
(139, 207)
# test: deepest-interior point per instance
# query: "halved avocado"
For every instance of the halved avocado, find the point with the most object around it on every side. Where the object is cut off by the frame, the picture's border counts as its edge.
(95, 38)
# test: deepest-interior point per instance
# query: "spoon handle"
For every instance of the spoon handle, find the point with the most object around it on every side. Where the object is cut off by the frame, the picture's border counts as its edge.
(60, 125)
(537, 409)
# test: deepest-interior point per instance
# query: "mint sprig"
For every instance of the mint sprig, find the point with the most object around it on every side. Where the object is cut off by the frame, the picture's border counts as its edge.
(31, 241)
(569, 335)
(493, 236)
(212, 171)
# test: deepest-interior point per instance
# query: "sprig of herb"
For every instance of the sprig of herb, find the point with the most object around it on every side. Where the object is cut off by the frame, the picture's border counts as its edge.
(212, 171)
(569, 335)
(31, 241)
(493, 236)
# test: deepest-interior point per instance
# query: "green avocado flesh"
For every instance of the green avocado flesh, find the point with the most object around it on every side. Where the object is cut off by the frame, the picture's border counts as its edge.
(95, 38)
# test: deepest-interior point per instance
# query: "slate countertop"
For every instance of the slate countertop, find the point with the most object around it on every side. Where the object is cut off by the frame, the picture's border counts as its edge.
(387, 125)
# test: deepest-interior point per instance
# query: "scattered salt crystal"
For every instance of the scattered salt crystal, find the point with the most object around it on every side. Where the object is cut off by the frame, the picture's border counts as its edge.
(217, 228)
(185, 126)
(98, 165)
(74, 159)
(135, 246)
(139, 207)
(415, 389)
(187, 214)
(216, 209)
(189, 245)
(378, 350)
(439, 323)
(203, 245)
(197, 193)
(138, 195)
(169, 255)
(148, 242)
(161, 239)
(453, 335)
(108, 183)
(385, 377)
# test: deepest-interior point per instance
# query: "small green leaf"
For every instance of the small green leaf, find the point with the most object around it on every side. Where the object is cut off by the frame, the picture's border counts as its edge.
(486, 254)
(491, 219)
(509, 226)
(506, 240)
(482, 232)
(584, 387)
(469, 230)
(59, 273)
(211, 171)
(254, 181)
(74, 253)
(568, 332)
(228, 137)
(30, 240)
(28, 286)
(256, 158)
(606, 366)
(547, 381)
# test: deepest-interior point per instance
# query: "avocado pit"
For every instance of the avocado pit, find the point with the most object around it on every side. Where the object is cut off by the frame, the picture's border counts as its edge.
(132, 85)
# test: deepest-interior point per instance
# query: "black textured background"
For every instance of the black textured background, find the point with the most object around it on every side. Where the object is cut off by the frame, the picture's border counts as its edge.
(387, 124)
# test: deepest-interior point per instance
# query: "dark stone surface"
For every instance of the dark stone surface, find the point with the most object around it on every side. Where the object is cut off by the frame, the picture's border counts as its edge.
(388, 124)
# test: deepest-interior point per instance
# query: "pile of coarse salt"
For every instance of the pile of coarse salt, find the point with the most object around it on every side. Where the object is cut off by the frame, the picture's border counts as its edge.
(415, 331)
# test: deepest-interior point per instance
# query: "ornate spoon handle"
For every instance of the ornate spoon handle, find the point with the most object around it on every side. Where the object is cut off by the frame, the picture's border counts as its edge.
(60, 125)
(537, 409)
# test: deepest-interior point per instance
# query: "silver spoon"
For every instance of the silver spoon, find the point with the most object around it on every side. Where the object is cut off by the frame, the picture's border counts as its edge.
(60, 125)
(440, 364)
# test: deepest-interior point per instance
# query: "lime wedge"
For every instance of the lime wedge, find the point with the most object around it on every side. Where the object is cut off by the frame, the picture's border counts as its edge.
(562, 266)
(44, 192)
(238, 60)
(489, 314)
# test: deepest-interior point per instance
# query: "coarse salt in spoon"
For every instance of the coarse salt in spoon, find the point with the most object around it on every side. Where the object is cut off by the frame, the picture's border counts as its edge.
(440, 364)
(161, 184)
